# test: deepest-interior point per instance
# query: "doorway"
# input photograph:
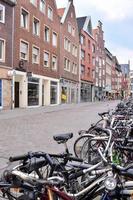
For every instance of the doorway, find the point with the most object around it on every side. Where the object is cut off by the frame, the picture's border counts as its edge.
(16, 94)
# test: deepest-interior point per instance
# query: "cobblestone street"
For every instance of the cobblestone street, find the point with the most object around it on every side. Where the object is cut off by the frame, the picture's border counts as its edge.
(25, 130)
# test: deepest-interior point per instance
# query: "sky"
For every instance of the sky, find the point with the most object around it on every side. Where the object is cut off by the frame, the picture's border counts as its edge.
(117, 19)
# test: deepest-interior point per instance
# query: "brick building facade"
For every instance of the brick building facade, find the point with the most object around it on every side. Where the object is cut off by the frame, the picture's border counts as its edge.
(69, 54)
(36, 60)
(6, 48)
(87, 62)
(100, 62)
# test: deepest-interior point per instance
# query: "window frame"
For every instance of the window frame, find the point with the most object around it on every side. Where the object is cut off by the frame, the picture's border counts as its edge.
(56, 39)
(51, 16)
(24, 41)
(47, 66)
(42, 11)
(3, 20)
(45, 34)
(28, 19)
(38, 34)
(38, 60)
(3, 50)
(54, 69)
(33, 3)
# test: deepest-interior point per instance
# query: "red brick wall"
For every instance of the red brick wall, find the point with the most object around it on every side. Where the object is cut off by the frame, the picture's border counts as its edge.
(88, 50)
(6, 34)
(38, 41)
(74, 40)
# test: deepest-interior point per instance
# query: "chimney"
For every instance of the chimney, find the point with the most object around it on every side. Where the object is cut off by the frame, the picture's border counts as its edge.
(70, 1)
(100, 23)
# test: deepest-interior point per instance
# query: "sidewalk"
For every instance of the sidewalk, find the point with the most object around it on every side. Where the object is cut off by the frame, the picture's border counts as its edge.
(19, 112)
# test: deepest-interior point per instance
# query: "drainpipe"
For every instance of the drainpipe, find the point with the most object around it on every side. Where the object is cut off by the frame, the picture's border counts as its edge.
(13, 71)
(79, 74)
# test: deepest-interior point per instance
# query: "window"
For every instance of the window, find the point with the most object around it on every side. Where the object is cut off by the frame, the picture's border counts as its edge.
(24, 19)
(0, 93)
(54, 39)
(42, 6)
(46, 34)
(74, 68)
(74, 50)
(53, 92)
(54, 62)
(82, 39)
(2, 50)
(34, 2)
(82, 70)
(2, 14)
(35, 55)
(93, 61)
(50, 13)
(24, 50)
(93, 48)
(46, 59)
(33, 91)
(69, 28)
(100, 62)
(67, 64)
(82, 54)
(67, 45)
(73, 31)
(36, 27)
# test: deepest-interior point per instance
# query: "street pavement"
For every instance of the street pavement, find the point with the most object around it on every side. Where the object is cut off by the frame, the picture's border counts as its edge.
(32, 129)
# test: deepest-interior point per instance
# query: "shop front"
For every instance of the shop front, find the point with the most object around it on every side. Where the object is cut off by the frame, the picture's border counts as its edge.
(86, 92)
(69, 91)
(35, 90)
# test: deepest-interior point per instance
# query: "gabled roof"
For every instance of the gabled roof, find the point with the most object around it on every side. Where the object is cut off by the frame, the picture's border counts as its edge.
(63, 17)
(81, 21)
(85, 24)
(11, 2)
(61, 12)
(125, 68)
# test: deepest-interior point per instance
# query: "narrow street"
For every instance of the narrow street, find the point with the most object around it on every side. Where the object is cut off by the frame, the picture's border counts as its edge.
(23, 130)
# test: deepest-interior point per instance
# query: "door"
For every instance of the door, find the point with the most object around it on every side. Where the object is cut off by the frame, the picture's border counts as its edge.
(42, 95)
(16, 94)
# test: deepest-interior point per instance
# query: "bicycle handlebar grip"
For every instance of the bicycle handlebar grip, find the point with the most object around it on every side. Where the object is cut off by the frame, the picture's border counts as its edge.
(17, 158)
(76, 175)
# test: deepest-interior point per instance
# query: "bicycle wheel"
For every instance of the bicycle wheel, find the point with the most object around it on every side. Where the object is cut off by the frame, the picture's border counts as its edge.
(89, 151)
(79, 144)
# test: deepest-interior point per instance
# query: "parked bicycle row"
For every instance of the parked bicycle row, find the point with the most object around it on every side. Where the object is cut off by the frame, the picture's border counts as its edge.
(102, 167)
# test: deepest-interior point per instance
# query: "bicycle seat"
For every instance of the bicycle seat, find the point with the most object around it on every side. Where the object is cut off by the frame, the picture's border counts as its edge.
(103, 113)
(62, 138)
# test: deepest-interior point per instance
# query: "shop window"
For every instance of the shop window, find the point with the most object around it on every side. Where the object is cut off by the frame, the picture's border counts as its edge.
(2, 14)
(33, 91)
(0, 93)
(64, 95)
(53, 93)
